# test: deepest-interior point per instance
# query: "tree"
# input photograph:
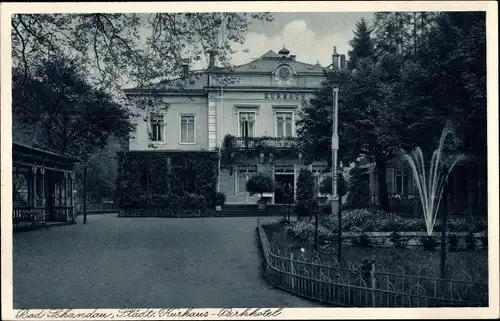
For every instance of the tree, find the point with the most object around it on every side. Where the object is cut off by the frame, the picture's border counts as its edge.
(447, 83)
(119, 48)
(369, 117)
(402, 33)
(305, 193)
(103, 171)
(260, 184)
(63, 111)
(358, 195)
(362, 44)
(326, 185)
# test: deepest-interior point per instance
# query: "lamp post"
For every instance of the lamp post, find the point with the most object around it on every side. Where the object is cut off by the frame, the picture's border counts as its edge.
(221, 100)
(335, 149)
(85, 194)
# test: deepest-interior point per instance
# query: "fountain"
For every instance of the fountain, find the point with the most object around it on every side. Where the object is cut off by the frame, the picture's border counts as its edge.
(430, 186)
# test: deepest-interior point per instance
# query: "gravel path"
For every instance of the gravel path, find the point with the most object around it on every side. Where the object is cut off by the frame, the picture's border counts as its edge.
(144, 262)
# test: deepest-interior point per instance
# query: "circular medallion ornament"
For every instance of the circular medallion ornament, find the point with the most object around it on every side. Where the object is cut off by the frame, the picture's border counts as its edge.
(283, 75)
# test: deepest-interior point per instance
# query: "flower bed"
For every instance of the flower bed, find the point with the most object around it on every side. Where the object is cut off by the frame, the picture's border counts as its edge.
(411, 259)
(366, 220)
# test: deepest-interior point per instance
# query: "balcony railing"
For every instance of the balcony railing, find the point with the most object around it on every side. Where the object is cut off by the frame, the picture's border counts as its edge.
(265, 142)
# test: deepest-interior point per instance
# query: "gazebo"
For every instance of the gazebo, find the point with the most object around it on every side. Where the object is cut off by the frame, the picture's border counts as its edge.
(43, 186)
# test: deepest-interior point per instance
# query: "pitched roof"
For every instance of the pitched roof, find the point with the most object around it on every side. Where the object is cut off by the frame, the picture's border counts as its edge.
(197, 81)
(266, 63)
(270, 54)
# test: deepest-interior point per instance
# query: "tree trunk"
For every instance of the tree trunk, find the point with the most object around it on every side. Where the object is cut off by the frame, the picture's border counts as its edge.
(383, 197)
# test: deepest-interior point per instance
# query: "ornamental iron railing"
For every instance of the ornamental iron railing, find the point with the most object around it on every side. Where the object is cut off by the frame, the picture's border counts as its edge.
(361, 285)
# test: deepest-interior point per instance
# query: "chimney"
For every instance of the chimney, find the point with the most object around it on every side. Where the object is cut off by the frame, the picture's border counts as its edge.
(292, 57)
(342, 62)
(211, 59)
(185, 71)
(335, 58)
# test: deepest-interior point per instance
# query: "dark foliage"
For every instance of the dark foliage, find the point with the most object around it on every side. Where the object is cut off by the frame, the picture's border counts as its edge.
(429, 243)
(398, 241)
(260, 184)
(453, 242)
(470, 242)
(167, 180)
(362, 241)
(305, 193)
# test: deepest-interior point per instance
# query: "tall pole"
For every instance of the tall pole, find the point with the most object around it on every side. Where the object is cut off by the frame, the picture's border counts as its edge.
(335, 149)
(444, 227)
(221, 109)
(85, 195)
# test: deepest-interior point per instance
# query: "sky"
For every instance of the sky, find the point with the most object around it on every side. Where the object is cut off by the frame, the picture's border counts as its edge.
(310, 36)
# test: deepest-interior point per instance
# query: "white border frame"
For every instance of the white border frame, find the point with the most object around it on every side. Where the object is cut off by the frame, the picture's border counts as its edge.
(491, 8)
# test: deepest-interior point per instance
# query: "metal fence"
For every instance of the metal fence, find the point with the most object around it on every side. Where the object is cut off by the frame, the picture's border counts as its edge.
(95, 208)
(361, 285)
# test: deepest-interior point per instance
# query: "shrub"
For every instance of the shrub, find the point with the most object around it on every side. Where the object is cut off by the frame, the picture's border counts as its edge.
(362, 241)
(484, 241)
(358, 191)
(397, 240)
(453, 241)
(470, 242)
(219, 199)
(429, 243)
(304, 231)
(260, 184)
(283, 221)
(305, 193)
(326, 185)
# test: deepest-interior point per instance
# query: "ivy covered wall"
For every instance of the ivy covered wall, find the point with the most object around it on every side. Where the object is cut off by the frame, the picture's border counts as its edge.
(157, 179)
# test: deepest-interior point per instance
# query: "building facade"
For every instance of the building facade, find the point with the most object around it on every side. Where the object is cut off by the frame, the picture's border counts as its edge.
(257, 104)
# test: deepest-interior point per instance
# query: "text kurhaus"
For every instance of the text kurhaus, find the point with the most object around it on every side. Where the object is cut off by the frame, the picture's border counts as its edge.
(285, 96)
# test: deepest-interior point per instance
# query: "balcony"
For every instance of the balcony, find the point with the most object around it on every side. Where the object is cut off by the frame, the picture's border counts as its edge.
(286, 143)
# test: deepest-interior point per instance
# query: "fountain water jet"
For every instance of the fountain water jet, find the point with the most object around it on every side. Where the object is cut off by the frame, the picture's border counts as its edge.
(430, 186)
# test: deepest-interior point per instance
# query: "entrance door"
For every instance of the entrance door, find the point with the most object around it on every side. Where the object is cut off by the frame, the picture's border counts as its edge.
(285, 181)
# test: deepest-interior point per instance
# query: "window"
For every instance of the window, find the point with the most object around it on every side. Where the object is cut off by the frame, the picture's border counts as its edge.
(187, 129)
(403, 180)
(243, 174)
(157, 124)
(284, 124)
(247, 124)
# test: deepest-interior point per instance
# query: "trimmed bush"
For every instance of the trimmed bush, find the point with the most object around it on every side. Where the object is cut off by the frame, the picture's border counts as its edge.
(260, 184)
(305, 193)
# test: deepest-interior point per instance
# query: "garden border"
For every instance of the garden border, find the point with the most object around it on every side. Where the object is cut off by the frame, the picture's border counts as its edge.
(362, 286)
